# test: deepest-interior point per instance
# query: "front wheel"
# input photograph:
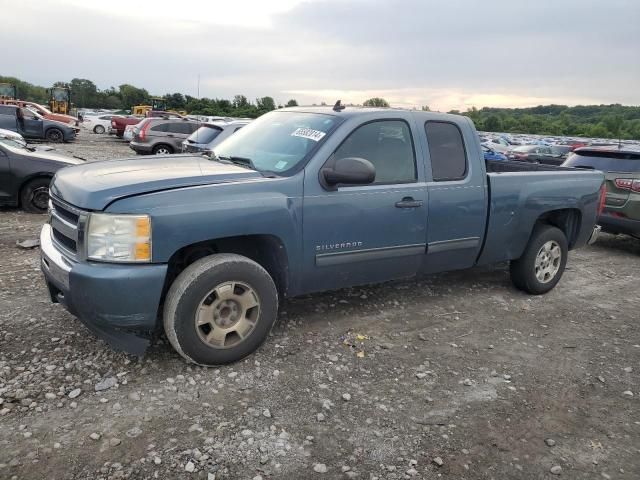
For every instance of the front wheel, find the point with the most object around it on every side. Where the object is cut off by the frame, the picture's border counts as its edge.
(34, 196)
(54, 135)
(542, 264)
(99, 129)
(220, 309)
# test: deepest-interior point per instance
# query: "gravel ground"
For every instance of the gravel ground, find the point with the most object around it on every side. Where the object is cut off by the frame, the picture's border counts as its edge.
(457, 375)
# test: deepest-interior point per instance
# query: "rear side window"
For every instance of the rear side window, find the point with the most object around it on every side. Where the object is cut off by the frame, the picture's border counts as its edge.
(446, 149)
(163, 127)
(605, 161)
(183, 128)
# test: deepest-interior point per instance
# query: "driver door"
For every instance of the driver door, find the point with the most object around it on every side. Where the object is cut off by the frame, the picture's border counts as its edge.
(355, 235)
(32, 125)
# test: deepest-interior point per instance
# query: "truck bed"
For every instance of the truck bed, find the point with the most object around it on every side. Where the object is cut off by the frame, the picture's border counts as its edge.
(520, 193)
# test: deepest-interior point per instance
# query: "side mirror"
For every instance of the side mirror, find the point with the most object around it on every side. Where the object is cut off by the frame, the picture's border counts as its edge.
(349, 171)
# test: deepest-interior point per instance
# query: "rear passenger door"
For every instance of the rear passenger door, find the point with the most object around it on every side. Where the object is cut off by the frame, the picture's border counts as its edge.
(457, 196)
(367, 233)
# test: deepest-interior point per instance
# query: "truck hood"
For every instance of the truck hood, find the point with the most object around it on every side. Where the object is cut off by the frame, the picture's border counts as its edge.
(95, 185)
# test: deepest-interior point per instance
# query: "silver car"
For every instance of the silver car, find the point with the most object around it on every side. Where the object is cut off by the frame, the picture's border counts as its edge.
(209, 135)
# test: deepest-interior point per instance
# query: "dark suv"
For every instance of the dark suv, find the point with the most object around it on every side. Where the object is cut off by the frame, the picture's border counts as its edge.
(161, 136)
(622, 172)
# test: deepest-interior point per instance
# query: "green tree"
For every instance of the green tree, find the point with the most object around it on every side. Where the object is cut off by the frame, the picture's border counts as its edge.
(493, 124)
(131, 95)
(265, 104)
(376, 102)
(292, 103)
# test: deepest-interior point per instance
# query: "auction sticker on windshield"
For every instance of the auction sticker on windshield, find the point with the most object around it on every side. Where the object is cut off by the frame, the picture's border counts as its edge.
(310, 133)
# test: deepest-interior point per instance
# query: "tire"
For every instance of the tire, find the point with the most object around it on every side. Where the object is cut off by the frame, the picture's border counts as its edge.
(542, 264)
(54, 135)
(34, 196)
(208, 297)
(99, 129)
(162, 149)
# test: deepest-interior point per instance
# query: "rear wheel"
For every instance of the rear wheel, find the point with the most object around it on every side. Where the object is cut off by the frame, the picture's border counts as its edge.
(542, 264)
(220, 309)
(162, 150)
(54, 135)
(99, 129)
(34, 197)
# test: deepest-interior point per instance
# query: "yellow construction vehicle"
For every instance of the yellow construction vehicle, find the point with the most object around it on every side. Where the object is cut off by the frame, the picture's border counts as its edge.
(60, 100)
(7, 91)
(157, 103)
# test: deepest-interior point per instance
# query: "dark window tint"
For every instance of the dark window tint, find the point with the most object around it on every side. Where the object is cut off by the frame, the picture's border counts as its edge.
(605, 161)
(163, 127)
(388, 145)
(446, 149)
(182, 128)
(205, 134)
(7, 110)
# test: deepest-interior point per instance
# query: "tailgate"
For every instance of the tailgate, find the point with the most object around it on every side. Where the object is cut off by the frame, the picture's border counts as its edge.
(619, 188)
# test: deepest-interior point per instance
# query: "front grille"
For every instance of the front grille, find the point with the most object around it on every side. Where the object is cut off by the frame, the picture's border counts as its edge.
(67, 223)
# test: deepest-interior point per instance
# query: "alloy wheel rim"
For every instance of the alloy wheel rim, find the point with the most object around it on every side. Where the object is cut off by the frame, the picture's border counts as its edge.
(227, 315)
(548, 261)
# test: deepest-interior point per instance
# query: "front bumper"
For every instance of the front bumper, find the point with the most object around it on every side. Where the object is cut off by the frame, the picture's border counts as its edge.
(118, 302)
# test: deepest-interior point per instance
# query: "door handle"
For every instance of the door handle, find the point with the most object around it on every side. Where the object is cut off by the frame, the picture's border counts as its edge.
(409, 202)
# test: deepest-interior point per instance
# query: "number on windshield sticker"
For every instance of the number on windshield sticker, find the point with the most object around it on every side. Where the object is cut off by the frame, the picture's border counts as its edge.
(311, 134)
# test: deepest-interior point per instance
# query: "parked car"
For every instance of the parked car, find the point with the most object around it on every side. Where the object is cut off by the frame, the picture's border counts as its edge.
(300, 200)
(119, 123)
(129, 131)
(98, 123)
(43, 111)
(561, 150)
(498, 144)
(536, 154)
(490, 154)
(211, 134)
(621, 212)
(160, 136)
(12, 138)
(31, 125)
(25, 174)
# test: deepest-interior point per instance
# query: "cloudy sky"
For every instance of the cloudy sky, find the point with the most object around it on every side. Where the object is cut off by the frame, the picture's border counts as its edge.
(445, 54)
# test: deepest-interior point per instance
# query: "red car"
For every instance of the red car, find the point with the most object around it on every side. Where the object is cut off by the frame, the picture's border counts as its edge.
(118, 124)
(43, 111)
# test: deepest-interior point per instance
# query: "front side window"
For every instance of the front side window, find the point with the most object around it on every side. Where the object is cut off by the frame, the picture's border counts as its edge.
(447, 152)
(278, 141)
(388, 145)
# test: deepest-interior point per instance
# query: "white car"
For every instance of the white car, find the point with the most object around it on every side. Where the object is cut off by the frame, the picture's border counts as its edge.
(129, 132)
(97, 123)
(12, 138)
(497, 144)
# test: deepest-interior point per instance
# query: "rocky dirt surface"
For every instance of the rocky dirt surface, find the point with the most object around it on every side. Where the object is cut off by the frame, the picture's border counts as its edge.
(453, 376)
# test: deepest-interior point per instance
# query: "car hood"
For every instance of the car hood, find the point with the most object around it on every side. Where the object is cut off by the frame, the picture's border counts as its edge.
(49, 156)
(95, 185)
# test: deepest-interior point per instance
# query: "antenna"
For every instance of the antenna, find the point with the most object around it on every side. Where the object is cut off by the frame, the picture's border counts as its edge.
(338, 107)
(198, 86)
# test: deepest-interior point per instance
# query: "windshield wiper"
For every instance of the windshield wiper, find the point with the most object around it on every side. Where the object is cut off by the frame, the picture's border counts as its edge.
(242, 161)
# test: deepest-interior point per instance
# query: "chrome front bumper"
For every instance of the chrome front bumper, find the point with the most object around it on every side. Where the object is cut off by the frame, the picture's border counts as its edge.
(54, 265)
(594, 234)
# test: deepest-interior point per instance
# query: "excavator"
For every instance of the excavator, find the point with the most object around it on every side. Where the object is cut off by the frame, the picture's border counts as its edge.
(60, 100)
(8, 91)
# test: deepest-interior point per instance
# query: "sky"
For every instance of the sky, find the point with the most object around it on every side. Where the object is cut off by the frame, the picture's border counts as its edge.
(447, 54)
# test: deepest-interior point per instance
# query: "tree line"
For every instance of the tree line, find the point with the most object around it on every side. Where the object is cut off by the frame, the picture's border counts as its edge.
(600, 121)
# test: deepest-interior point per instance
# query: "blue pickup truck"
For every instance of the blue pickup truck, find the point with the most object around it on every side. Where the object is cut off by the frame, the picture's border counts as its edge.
(301, 200)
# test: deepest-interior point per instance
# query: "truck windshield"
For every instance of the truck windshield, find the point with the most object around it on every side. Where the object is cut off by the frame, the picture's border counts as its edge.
(278, 141)
(205, 134)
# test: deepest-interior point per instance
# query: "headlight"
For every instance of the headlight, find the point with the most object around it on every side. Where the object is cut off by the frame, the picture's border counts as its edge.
(119, 238)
